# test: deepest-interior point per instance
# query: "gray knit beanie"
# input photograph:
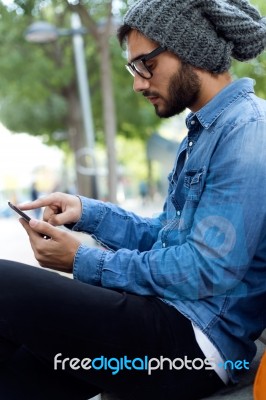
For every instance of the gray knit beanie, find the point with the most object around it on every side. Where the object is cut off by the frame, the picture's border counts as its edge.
(203, 33)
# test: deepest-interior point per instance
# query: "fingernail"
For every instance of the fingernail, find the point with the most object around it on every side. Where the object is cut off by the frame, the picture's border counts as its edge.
(33, 222)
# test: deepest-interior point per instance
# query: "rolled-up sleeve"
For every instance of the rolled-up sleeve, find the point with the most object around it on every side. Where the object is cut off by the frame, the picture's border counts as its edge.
(117, 228)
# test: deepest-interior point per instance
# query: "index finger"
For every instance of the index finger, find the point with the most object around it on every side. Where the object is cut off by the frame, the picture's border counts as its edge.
(41, 202)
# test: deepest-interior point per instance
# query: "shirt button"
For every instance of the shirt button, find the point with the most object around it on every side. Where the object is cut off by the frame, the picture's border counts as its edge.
(193, 122)
(190, 144)
(178, 213)
(164, 244)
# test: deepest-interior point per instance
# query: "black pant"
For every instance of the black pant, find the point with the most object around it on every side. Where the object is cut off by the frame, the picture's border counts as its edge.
(43, 313)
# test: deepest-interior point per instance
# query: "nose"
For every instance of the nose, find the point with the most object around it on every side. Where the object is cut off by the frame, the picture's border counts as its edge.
(140, 84)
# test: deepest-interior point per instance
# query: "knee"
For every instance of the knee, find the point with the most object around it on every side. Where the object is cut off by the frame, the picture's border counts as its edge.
(12, 269)
(4, 264)
(7, 268)
(7, 264)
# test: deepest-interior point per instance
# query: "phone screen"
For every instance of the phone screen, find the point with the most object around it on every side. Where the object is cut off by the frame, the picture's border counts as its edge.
(21, 213)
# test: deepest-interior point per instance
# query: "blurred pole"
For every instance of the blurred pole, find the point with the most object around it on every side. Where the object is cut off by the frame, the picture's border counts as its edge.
(84, 91)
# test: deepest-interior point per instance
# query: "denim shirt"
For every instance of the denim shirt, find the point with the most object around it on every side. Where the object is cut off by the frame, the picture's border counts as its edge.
(205, 254)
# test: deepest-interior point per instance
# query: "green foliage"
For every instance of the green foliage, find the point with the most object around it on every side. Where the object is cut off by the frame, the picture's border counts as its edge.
(31, 77)
(35, 79)
(260, 5)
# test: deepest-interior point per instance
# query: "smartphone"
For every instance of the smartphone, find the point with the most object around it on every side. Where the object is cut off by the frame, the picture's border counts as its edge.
(21, 213)
(24, 216)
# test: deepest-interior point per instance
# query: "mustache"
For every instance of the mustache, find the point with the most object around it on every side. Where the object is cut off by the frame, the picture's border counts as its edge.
(147, 93)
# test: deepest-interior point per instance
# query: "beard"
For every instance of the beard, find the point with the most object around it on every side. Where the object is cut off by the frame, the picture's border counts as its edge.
(183, 90)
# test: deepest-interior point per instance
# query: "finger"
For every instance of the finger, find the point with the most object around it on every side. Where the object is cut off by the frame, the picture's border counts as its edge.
(27, 228)
(48, 213)
(42, 202)
(44, 228)
(60, 218)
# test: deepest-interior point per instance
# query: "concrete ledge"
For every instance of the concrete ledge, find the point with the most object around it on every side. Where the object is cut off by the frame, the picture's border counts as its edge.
(263, 337)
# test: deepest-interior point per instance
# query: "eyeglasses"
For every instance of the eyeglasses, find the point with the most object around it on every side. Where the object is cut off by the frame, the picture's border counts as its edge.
(138, 66)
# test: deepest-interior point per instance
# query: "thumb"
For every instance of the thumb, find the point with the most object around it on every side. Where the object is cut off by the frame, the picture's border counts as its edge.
(44, 228)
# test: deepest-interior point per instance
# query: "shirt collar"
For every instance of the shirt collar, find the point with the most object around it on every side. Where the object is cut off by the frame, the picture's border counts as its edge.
(208, 114)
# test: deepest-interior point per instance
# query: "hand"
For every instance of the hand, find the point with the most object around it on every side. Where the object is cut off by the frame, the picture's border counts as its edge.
(56, 253)
(60, 208)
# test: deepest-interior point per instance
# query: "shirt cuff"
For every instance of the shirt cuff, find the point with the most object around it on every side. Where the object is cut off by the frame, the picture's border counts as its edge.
(88, 265)
(91, 215)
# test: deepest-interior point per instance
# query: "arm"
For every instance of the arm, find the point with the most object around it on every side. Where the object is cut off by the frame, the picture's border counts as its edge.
(109, 224)
(227, 227)
(117, 228)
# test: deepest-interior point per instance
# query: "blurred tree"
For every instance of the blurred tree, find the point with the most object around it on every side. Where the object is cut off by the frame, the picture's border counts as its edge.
(38, 82)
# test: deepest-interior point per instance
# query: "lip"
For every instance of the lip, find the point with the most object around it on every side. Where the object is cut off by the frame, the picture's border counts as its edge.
(153, 99)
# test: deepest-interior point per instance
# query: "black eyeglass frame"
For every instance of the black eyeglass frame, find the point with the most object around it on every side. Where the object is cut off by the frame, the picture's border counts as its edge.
(132, 68)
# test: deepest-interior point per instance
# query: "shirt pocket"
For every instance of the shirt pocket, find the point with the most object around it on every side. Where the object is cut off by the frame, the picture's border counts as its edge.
(193, 184)
(187, 196)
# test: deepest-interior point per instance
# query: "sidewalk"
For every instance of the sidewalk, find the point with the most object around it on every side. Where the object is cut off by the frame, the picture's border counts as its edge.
(14, 243)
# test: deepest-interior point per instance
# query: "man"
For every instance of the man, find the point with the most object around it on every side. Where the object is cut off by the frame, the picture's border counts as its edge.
(172, 307)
